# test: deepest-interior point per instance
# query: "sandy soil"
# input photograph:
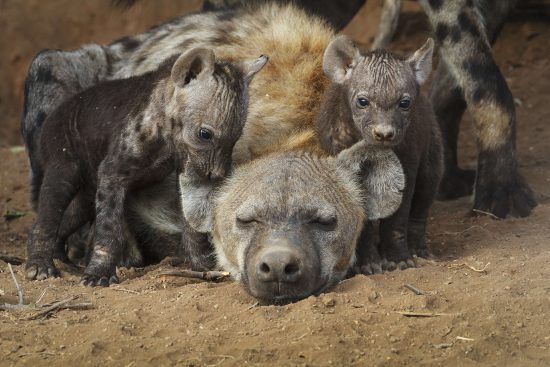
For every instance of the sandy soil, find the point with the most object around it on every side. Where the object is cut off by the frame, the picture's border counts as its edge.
(498, 317)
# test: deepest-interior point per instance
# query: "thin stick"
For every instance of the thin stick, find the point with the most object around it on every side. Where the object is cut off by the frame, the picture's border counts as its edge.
(415, 290)
(17, 286)
(486, 213)
(421, 314)
(204, 275)
(464, 338)
(12, 259)
(41, 295)
(466, 230)
(483, 270)
(120, 289)
(51, 308)
(254, 305)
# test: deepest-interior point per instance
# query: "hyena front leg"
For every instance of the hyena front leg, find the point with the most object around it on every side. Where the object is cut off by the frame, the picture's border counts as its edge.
(109, 229)
(465, 48)
(198, 249)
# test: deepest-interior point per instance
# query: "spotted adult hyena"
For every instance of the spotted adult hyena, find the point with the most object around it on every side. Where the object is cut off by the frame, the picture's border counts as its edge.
(126, 134)
(279, 137)
(469, 78)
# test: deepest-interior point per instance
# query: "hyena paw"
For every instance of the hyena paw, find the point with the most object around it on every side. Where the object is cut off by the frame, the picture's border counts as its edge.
(103, 279)
(41, 270)
(369, 268)
(516, 200)
(423, 253)
(456, 184)
(390, 265)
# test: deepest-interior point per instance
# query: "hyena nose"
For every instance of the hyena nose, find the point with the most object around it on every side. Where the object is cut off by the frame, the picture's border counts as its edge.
(279, 265)
(384, 133)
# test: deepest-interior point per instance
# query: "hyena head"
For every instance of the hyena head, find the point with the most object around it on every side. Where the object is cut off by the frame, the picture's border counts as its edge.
(380, 87)
(209, 102)
(286, 225)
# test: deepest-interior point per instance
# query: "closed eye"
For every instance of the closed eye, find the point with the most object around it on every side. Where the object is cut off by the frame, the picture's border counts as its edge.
(245, 221)
(327, 223)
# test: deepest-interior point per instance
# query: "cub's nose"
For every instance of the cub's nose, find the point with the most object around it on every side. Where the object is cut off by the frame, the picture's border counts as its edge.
(384, 133)
(279, 265)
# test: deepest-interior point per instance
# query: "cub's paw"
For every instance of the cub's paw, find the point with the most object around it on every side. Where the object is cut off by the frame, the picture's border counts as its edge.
(422, 252)
(41, 269)
(99, 279)
(390, 265)
(369, 268)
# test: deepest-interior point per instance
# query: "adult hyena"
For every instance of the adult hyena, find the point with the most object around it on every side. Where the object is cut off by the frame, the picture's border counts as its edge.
(469, 78)
(282, 174)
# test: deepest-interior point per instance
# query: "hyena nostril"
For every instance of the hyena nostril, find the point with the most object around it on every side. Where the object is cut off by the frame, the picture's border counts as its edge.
(264, 268)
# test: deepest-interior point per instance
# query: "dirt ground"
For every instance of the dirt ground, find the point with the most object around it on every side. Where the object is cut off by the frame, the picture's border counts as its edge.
(496, 317)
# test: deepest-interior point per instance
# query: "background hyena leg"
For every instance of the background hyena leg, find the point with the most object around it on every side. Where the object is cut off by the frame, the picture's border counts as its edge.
(368, 258)
(449, 106)
(55, 195)
(79, 212)
(197, 248)
(499, 188)
(109, 231)
(388, 23)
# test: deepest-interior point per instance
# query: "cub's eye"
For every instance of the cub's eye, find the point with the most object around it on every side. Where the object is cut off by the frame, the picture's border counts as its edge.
(362, 102)
(405, 104)
(205, 134)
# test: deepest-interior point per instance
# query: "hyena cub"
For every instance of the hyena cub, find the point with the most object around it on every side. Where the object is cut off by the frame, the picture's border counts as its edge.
(123, 135)
(376, 96)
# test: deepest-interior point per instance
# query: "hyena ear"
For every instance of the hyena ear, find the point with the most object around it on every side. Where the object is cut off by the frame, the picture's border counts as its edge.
(340, 56)
(251, 67)
(421, 61)
(380, 174)
(193, 64)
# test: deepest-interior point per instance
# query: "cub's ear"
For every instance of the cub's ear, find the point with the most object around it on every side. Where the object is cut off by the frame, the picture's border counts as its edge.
(251, 67)
(421, 61)
(193, 64)
(340, 57)
(380, 175)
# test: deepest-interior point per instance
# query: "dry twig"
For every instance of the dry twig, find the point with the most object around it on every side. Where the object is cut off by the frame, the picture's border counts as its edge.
(17, 286)
(422, 314)
(485, 213)
(204, 275)
(61, 305)
(11, 259)
(415, 290)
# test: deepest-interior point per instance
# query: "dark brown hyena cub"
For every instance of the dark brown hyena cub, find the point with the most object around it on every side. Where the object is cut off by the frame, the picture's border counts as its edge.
(123, 135)
(377, 97)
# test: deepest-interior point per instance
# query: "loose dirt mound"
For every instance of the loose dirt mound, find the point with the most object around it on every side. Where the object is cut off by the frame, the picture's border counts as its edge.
(495, 317)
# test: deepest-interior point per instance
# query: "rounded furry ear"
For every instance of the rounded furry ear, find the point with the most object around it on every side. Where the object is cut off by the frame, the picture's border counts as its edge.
(380, 175)
(251, 67)
(193, 64)
(340, 56)
(421, 61)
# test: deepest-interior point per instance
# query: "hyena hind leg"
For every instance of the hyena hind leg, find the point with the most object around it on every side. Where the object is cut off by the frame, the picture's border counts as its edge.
(55, 196)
